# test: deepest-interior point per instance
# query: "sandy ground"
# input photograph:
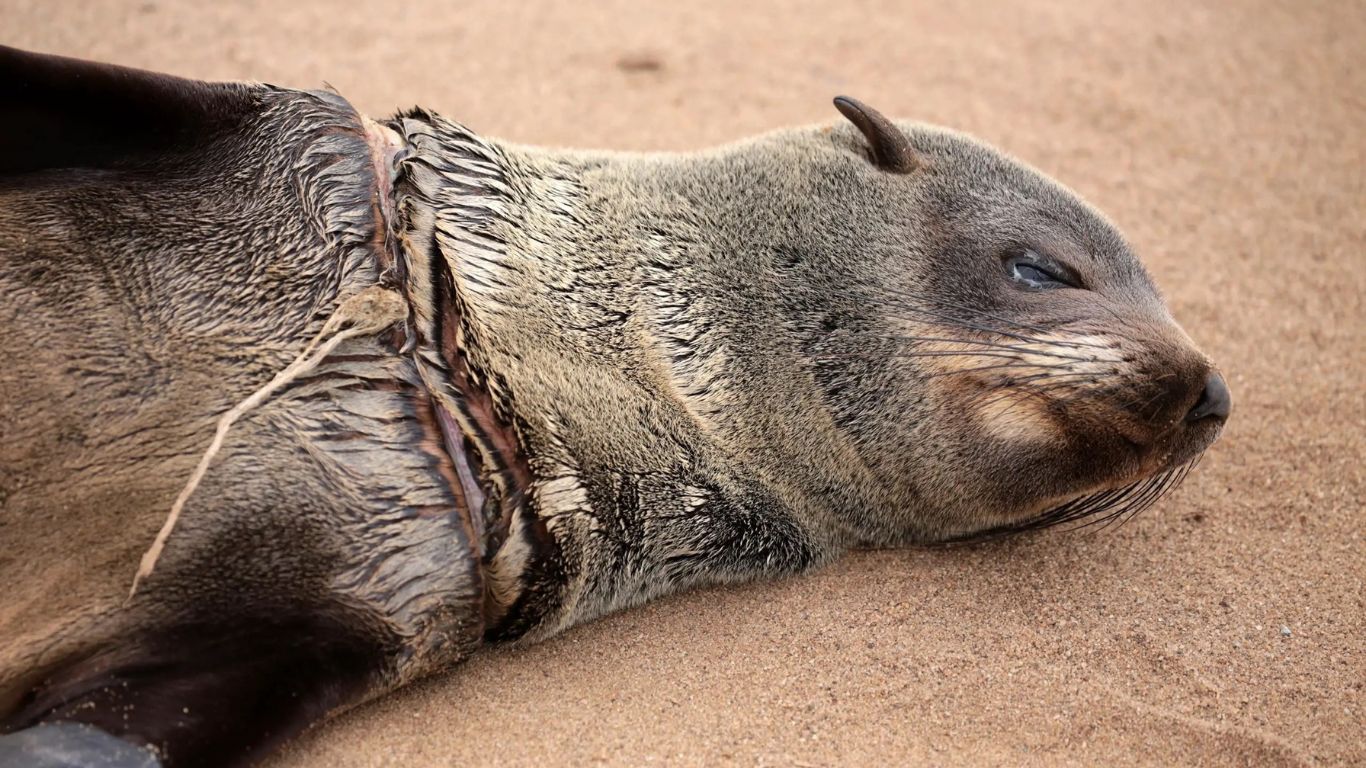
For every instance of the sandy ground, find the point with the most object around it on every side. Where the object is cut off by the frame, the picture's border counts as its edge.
(1225, 627)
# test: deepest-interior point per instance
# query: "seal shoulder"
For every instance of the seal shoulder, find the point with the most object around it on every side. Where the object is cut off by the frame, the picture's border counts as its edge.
(153, 276)
(55, 112)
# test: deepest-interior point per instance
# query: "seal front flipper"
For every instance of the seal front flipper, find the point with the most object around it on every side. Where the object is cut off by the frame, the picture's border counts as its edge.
(201, 694)
(71, 745)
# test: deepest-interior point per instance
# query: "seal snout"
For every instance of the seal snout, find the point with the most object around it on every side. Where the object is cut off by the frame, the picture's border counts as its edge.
(1215, 401)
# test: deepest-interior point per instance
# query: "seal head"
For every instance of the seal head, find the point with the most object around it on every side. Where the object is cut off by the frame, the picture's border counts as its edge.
(993, 350)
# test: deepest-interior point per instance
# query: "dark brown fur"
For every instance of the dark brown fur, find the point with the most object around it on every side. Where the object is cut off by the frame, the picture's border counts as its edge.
(146, 289)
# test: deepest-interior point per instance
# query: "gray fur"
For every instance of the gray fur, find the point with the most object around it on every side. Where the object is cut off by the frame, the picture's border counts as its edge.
(644, 314)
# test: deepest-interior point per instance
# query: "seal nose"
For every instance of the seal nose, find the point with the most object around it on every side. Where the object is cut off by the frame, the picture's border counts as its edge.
(1215, 401)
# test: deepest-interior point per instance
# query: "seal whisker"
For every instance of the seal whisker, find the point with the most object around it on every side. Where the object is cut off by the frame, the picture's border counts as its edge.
(984, 343)
(1165, 483)
(1098, 506)
(997, 367)
(1133, 497)
(1155, 489)
(1055, 382)
(1132, 403)
(963, 324)
(1103, 508)
(1009, 323)
(924, 353)
(1174, 481)
(1054, 378)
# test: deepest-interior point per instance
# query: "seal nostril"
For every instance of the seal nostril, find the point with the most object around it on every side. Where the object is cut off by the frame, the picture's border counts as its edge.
(1215, 401)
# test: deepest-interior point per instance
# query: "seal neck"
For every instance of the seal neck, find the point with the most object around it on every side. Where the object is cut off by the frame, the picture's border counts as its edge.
(677, 284)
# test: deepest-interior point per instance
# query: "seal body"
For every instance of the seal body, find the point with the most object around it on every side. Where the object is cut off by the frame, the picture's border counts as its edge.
(618, 376)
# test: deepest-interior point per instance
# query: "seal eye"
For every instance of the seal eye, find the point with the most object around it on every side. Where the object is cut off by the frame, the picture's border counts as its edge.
(1025, 270)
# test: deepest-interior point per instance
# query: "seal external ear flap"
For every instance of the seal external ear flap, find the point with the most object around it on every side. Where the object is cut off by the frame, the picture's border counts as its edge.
(57, 112)
(892, 151)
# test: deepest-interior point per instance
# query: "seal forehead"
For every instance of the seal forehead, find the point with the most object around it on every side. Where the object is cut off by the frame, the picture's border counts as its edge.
(1005, 197)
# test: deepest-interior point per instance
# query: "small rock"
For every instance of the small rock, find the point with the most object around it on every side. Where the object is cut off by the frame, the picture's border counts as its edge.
(640, 61)
(1285, 631)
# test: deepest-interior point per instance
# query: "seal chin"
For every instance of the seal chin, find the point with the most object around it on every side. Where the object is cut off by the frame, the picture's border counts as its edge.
(1161, 438)
(1108, 504)
(1125, 498)
(1194, 442)
(1126, 475)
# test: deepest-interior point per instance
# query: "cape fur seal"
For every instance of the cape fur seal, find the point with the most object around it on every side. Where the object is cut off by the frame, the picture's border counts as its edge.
(579, 380)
